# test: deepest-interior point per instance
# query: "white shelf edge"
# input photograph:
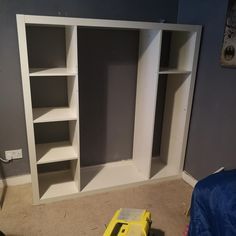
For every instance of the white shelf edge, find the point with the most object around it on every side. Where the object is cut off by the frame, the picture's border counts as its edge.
(173, 71)
(53, 114)
(55, 152)
(51, 72)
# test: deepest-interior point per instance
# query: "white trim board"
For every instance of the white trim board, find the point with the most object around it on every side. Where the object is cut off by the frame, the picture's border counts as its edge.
(16, 180)
(189, 179)
(26, 179)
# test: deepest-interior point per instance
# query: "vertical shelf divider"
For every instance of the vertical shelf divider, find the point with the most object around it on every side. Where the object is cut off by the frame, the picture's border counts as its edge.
(21, 30)
(73, 98)
(146, 92)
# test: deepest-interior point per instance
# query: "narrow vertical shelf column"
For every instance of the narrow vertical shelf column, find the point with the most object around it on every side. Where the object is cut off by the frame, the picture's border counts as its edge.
(46, 184)
(73, 98)
(179, 92)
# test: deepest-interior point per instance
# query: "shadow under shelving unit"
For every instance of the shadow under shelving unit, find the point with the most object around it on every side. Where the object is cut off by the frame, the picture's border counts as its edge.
(49, 68)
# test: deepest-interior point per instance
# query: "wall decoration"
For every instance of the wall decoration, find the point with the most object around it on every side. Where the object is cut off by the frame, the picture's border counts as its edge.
(228, 53)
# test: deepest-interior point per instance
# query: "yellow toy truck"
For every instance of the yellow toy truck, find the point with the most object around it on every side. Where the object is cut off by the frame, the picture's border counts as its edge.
(129, 222)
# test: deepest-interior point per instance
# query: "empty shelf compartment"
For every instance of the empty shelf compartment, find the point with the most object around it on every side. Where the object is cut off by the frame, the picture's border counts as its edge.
(109, 175)
(56, 184)
(58, 179)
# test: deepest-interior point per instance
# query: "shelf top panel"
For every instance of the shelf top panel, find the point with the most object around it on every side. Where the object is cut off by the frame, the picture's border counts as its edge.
(52, 72)
(173, 71)
(69, 21)
(53, 114)
(55, 152)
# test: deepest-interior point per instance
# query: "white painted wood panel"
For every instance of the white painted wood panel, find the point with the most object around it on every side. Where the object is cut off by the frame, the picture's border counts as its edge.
(73, 98)
(62, 21)
(52, 114)
(52, 72)
(55, 152)
(146, 93)
(173, 71)
(196, 37)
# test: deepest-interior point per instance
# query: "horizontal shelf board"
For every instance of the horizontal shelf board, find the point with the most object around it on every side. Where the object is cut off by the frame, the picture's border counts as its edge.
(56, 184)
(161, 170)
(173, 71)
(55, 152)
(52, 72)
(109, 175)
(53, 114)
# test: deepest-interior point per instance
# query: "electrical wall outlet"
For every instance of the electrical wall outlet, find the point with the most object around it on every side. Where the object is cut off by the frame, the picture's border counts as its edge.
(13, 154)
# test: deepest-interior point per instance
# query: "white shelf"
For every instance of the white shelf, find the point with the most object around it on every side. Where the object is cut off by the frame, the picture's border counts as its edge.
(161, 170)
(173, 71)
(52, 72)
(55, 152)
(56, 184)
(109, 175)
(52, 114)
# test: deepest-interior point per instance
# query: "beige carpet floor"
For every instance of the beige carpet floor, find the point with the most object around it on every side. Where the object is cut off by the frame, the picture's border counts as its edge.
(88, 215)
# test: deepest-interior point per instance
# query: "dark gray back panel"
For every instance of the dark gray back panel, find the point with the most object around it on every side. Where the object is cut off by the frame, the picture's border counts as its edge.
(51, 132)
(46, 46)
(12, 120)
(49, 91)
(212, 134)
(107, 87)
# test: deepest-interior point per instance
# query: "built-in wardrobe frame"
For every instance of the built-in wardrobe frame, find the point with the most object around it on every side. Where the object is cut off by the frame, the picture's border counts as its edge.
(180, 73)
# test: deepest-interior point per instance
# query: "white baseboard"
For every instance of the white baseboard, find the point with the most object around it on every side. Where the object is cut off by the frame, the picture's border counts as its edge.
(25, 179)
(189, 179)
(16, 180)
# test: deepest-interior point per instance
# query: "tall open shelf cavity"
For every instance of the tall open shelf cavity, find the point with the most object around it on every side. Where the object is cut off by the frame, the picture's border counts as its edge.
(176, 67)
(153, 64)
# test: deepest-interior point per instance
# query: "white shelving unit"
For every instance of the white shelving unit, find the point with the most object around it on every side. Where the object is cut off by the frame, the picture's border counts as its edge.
(179, 69)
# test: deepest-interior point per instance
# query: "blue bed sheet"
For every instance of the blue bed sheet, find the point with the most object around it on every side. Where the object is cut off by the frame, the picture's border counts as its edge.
(213, 206)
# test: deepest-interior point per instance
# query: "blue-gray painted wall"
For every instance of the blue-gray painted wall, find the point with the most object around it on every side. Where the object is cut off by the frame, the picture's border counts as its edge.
(212, 137)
